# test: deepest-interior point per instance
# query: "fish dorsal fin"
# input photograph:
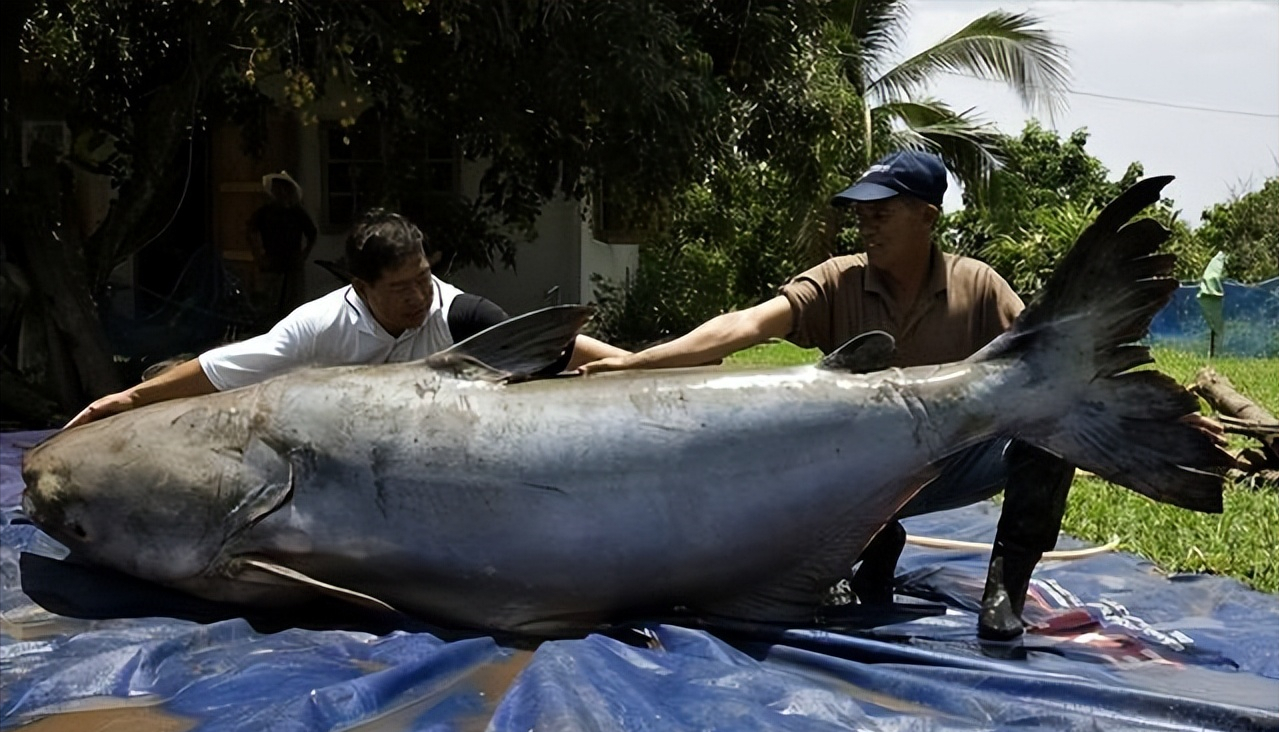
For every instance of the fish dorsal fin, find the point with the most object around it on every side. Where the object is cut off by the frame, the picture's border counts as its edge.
(293, 576)
(519, 347)
(870, 351)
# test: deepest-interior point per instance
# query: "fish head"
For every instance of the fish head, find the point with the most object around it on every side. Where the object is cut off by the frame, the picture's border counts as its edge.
(125, 494)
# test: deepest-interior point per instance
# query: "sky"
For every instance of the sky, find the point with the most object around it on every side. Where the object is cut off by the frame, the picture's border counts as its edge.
(1136, 65)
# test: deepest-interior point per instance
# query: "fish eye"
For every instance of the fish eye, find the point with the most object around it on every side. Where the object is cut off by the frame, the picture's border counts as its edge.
(78, 530)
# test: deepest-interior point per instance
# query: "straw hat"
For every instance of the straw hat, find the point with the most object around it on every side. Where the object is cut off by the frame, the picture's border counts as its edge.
(270, 178)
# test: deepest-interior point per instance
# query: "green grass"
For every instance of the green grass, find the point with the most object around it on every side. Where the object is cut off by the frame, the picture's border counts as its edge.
(775, 353)
(1241, 542)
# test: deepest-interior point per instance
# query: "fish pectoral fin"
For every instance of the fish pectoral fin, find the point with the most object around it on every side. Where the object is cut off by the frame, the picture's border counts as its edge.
(276, 473)
(277, 572)
(519, 347)
(870, 351)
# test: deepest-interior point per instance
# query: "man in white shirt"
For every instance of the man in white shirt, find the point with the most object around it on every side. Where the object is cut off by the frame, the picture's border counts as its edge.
(394, 310)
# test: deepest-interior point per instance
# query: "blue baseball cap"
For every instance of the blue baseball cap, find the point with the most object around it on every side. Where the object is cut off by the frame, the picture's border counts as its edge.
(915, 173)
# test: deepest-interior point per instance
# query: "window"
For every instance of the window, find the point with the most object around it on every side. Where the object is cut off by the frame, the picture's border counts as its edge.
(613, 221)
(441, 167)
(353, 171)
(357, 174)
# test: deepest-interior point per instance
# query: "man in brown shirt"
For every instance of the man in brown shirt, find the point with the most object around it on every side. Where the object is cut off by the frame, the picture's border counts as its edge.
(939, 308)
(962, 306)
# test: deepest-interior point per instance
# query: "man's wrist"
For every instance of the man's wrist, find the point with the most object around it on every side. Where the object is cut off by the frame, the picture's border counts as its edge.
(135, 397)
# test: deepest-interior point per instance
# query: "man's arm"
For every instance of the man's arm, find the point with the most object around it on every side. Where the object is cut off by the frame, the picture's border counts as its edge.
(184, 380)
(710, 341)
(587, 349)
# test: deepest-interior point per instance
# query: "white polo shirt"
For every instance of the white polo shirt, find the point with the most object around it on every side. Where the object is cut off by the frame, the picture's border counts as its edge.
(335, 330)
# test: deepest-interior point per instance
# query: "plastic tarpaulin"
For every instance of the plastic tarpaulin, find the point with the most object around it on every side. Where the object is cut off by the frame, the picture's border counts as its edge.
(1115, 645)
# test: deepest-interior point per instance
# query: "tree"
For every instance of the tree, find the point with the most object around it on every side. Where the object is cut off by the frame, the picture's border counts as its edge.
(726, 248)
(1246, 228)
(875, 105)
(557, 97)
(554, 97)
(851, 105)
(1000, 46)
(1047, 191)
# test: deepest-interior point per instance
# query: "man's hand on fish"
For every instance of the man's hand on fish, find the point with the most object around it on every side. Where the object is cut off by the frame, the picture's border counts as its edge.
(103, 407)
(184, 380)
(612, 363)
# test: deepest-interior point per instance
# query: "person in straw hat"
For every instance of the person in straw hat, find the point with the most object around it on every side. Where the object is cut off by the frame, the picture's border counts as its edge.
(281, 235)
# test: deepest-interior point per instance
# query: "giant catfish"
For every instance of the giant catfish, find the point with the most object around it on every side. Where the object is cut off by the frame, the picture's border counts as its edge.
(460, 491)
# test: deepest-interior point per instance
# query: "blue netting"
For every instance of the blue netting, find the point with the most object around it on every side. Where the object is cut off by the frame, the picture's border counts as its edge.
(1251, 314)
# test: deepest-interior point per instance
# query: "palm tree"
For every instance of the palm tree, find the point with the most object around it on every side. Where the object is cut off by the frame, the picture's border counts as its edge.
(896, 112)
(1000, 46)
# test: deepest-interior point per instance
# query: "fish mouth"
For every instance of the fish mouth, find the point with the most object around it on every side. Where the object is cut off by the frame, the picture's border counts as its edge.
(41, 508)
(28, 507)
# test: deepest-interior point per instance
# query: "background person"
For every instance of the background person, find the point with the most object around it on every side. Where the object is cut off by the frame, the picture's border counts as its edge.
(940, 308)
(281, 235)
(395, 310)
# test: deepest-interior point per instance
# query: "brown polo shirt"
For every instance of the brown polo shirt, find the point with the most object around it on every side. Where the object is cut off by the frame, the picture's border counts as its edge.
(961, 308)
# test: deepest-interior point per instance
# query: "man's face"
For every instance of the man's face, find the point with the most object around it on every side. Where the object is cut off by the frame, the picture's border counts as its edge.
(894, 228)
(401, 298)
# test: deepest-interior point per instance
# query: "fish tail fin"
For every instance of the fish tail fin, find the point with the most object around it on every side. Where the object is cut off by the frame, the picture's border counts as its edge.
(1080, 334)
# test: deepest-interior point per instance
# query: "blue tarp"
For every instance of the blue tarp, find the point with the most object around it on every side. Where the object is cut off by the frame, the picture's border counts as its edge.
(1116, 645)
(1250, 314)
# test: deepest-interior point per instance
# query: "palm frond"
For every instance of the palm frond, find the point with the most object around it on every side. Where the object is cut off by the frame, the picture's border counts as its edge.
(878, 24)
(865, 32)
(969, 145)
(999, 46)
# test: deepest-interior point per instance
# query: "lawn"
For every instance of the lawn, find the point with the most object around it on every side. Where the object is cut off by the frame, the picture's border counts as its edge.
(1240, 542)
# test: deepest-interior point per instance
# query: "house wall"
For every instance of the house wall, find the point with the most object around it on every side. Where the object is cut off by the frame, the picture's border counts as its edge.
(556, 267)
(546, 269)
(615, 262)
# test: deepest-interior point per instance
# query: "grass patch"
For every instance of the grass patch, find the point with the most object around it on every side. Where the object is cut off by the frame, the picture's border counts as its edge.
(774, 353)
(1240, 542)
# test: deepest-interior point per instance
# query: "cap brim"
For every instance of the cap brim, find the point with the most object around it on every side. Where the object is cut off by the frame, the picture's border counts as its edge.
(863, 192)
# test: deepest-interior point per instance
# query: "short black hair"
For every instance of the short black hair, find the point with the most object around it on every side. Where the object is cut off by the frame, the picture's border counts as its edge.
(381, 240)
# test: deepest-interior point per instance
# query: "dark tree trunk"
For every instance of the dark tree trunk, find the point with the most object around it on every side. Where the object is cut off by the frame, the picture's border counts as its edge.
(67, 354)
(53, 255)
(60, 329)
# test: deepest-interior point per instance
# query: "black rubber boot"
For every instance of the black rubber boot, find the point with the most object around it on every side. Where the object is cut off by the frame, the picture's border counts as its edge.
(1007, 581)
(1034, 504)
(873, 581)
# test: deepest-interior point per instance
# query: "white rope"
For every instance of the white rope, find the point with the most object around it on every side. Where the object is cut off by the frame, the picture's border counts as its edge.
(1063, 554)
